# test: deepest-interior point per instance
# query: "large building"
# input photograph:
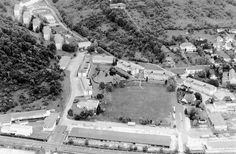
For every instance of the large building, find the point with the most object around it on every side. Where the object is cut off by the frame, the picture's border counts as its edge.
(129, 67)
(221, 146)
(17, 129)
(200, 86)
(156, 75)
(90, 104)
(217, 121)
(103, 59)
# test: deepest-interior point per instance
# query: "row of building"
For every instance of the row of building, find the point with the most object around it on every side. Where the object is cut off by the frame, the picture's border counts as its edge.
(19, 123)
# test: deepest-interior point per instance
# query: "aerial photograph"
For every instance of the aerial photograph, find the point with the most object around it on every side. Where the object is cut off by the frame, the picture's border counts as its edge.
(117, 76)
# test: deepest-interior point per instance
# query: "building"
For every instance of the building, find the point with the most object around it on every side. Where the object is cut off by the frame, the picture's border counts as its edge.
(217, 121)
(28, 2)
(5, 119)
(47, 32)
(27, 16)
(188, 47)
(107, 135)
(169, 62)
(87, 88)
(18, 9)
(129, 67)
(222, 146)
(50, 122)
(36, 24)
(84, 45)
(29, 115)
(229, 78)
(195, 146)
(59, 41)
(156, 75)
(17, 129)
(84, 67)
(118, 6)
(194, 69)
(64, 62)
(200, 86)
(103, 59)
(90, 104)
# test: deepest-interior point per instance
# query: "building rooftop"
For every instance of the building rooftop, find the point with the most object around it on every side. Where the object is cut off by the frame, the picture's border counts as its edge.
(103, 58)
(5, 118)
(29, 114)
(88, 104)
(152, 139)
(64, 61)
(85, 83)
(221, 144)
(217, 119)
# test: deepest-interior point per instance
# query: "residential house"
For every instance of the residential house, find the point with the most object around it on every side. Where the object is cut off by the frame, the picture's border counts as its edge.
(229, 78)
(64, 62)
(17, 129)
(84, 67)
(194, 69)
(49, 18)
(217, 121)
(27, 16)
(47, 32)
(89, 104)
(84, 45)
(59, 41)
(87, 88)
(129, 67)
(174, 48)
(218, 45)
(103, 59)
(169, 62)
(220, 30)
(36, 24)
(159, 75)
(188, 47)
(200, 86)
(18, 9)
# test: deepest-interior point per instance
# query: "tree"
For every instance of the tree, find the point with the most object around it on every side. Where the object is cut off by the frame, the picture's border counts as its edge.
(69, 47)
(102, 85)
(198, 96)
(70, 113)
(100, 96)
(214, 82)
(52, 47)
(109, 87)
(171, 84)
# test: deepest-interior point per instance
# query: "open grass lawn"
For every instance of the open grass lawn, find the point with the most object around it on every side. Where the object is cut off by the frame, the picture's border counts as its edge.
(152, 101)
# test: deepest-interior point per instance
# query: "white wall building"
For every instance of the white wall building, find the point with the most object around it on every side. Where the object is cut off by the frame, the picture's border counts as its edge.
(84, 67)
(156, 75)
(84, 45)
(36, 24)
(27, 16)
(103, 59)
(188, 47)
(59, 41)
(131, 67)
(88, 90)
(47, 33)
(50, 122)
(17, 129)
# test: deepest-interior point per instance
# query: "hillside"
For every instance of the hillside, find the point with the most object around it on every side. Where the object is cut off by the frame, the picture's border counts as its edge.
(145, 25)
(29, 71)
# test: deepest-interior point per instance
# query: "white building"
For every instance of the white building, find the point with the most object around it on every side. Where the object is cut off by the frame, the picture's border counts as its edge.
(129, 67)
(5, 119)
(16, 129)
(36, 24)
(103, 59)
(84, 67)
(188, 47)
(27, 16)
(156, 75)
(194, 69)
(18, 9)
(64, 62)
(47, 33)
(84, 45)
(59, 41)
(88, 104)
(232, 77)
(200, 86)
(50, 18)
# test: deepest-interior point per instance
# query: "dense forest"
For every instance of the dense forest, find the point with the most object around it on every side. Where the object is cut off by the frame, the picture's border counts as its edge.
(25, 65)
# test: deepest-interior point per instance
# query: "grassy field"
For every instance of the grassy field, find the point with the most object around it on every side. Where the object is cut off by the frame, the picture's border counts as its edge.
(152, 101)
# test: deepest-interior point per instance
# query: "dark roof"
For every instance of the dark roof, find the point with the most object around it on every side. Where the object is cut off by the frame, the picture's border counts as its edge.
(151, 139)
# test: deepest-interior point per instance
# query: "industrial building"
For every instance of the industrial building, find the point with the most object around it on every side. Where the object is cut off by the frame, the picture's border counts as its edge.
(17, 129)
(50, 122)
(105, 135)
(229, 78)
(217, 121)
(47, 32)
(103, 59)
(200, 86)
(59, 41)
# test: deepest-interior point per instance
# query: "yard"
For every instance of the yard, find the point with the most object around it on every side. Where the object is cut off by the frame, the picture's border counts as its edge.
(151, 101)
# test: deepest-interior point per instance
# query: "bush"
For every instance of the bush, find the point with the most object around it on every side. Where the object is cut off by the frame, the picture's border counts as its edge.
(171, 85)
(86, 142)
(54, 1)
(124, 119)
(70, 113)
(145, 149)
(69, 47)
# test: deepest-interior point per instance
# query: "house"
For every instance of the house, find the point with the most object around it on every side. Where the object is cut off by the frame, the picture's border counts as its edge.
(194, 69)
(59, 41)
(18, 9)
(217, 121)
(208, 51)
(50, 122)
(49, 18)
(36, 24)
(47, 32)
(229, 78)
(17, 129)
(27, 16)
(64, 62)
(195, 146)
(87, 88)
(103, 59)
(232, 31)
(129, 67)
(220, 146)
(188, 47)
(89, 104)
(84, 45)
(220, 30)
(189, 98)
(174, 48)
(200, 86)
(5, 119)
